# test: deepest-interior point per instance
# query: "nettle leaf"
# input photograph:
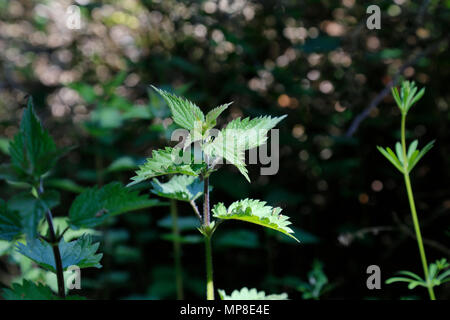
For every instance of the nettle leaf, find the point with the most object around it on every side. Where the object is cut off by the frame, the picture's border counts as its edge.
(92, 207)
(29, 290)
(10, 224)
(255, 211)
(184, 112)
(251, 294)
(80, 252)
(31, 209)
(33, 151)
(211, 116)
(167, 161)
(238, 136)
(181, 187)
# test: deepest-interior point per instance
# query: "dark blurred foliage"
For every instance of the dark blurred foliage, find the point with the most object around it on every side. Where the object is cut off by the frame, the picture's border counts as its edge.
(313, 60)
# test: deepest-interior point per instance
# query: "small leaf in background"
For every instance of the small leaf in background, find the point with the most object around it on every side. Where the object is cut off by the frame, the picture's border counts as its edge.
(10, 224)
(183, 239)
(180, 187)
(80, 252)
(251, 294)
(86, 91)
(184, 223)
(237, 238)
(28, 290)
(61, 223)
(122, 164)
(32, 210)
(320, 44)
(255, 211)
(64, 184)
(95, 205)
(4, 146)
(33, 151)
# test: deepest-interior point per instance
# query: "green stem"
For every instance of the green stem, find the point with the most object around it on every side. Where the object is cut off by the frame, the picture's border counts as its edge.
(412, 205)
(54, 242)
(176, 249)
(208, 251)
(209, 270)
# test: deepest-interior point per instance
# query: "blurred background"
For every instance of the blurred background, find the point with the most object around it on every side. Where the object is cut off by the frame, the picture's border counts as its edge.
(315, 61)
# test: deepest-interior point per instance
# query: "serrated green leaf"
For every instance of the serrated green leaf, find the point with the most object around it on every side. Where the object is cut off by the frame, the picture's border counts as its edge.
(33, 152)
(92, 207)
(28, 290)
(255, 211)
(167, 161)
(238, 136)
(181, 187)
(211, 116)
(184, 112)
(251, 294)
(80, 252)
(10, 224)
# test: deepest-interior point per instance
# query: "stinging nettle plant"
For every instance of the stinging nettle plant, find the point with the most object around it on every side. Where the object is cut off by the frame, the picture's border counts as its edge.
(405, 159)
(33, 155)
(192, 169)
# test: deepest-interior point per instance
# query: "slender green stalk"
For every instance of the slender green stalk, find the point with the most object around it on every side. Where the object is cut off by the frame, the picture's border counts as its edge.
(208, 251)
(209, 270)
(176, 249)
(206, 218)
(413, 209)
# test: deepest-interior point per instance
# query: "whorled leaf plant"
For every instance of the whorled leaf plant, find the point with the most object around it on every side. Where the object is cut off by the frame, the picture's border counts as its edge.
(404, 159)
(211, 147)
(33, 156)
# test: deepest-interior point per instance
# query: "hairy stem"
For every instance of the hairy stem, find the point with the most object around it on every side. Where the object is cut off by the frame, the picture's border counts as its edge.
(208, 251)
(176, 249)
(209, 270)
(58, 261)
(412, 205)
(54, 242)
(206, 219)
